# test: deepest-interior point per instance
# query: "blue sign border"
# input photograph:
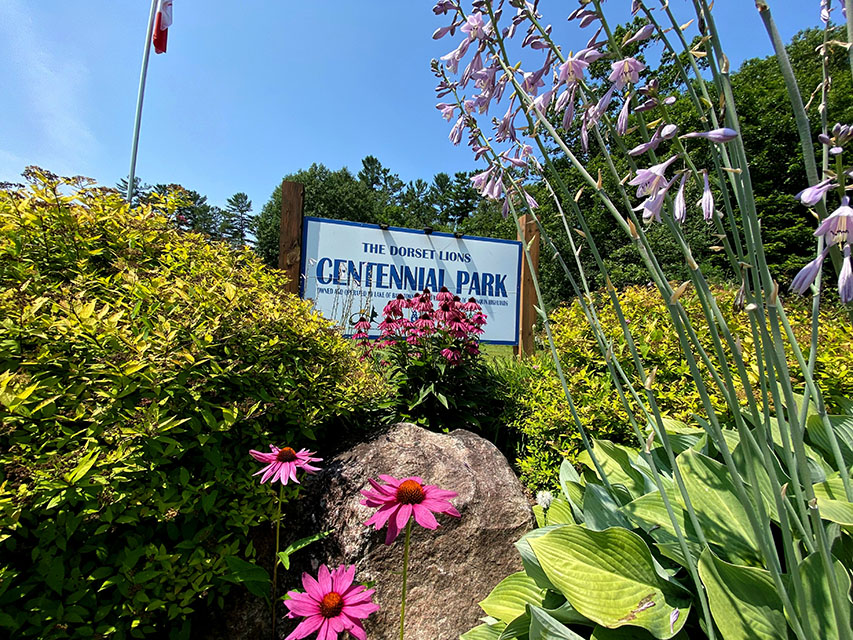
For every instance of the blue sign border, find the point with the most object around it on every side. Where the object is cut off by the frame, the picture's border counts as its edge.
(368, 225)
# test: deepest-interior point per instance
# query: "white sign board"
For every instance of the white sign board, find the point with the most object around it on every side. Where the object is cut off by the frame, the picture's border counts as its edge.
(351, 269)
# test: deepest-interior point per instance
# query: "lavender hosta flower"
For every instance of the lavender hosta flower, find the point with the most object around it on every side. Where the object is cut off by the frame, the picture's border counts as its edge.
(439, 33)
(473, 67)
(566, 105)
(836, 226)
(648, 181)
(478, 181)
(716, 135)
(456, 132)
(806, 276)
(447, 110)
(622, 120)
(474, 26)
(590, 54)
(542, 102)
(443, 6)
(845, 278)
(625, 71)
(643, 34)
(668, 131)
(707, 200)
(452, 59)
(646, 105)
(506, 127)
(640, 149)
(571, 71)
(812, 195)
(679, 209)
(531, 203)
(651, 206)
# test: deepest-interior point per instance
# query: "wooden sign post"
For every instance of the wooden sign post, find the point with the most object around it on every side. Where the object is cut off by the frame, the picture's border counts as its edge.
(527, 312)
(290, 236)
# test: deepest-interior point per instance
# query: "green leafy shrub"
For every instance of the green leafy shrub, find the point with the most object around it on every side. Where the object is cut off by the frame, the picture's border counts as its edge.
(138, 366)
(540, 413)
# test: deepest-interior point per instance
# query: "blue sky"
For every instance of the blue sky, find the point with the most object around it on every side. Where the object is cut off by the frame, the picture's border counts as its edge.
(250, 91)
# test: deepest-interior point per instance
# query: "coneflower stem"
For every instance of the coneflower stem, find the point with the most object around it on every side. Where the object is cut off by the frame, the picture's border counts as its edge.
(405, 573)
(275, 557)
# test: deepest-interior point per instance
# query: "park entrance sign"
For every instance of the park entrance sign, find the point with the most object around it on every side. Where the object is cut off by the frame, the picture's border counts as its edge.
(350, 269)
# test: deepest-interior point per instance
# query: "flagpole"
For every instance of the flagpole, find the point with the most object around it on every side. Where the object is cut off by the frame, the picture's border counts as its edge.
(141, 95)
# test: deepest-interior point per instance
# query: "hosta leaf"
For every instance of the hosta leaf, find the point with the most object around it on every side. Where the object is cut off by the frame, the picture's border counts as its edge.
(484, 632)
(609, 577)
(842, 426)
(600, 511)
(518, 628)
(560, 512)
(616, 461)
(544, 627)
(570, 482)
(839, 511)
(649, 513)
(743, 600)
(819, 615)
(507, 601)
(531, 564)
(628, 633)
(743, 455)
(721, 515)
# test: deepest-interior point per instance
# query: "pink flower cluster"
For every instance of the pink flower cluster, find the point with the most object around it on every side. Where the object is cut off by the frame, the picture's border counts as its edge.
(422, 324)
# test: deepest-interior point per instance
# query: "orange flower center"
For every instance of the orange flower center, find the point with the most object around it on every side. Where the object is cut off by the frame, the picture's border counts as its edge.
(331, 605)
(286, 454)
(410, 492)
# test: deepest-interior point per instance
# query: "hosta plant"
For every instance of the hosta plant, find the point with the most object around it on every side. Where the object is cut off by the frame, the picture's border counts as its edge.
(532, 105)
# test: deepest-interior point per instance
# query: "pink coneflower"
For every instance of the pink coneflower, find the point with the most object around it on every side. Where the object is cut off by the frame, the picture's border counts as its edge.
(283, 463)
(399, 500)
(453, 356)
(444, 295)
(330, 605)
(471, 305)
(363, 324)
(396, 306)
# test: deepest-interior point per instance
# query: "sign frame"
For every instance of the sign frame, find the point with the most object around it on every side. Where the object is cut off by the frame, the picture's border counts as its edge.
(420, 232)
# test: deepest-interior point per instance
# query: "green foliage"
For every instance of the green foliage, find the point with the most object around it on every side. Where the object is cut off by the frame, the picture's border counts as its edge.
(596, 565)
(538, 409)
(138, 366)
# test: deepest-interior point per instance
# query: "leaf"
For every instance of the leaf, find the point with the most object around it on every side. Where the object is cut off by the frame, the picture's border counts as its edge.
(529, 560)
(842, 426)
(600, 510)
(609, 577)
(545, 627)
(508, 599)
(721, 515)
(518, 628)
(570, 483)
(86, 463)
(616, 462)
(743, 600)
(649, 513)
(484, 632)
(293, 547)
(819, 613)
(559, 512)
(255, 578)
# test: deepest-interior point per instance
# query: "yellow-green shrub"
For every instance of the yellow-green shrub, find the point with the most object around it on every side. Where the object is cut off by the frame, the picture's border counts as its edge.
(541, 414)
(138, 366)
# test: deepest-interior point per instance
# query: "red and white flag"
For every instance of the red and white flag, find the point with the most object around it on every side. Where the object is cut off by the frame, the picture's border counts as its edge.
(162, 24)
